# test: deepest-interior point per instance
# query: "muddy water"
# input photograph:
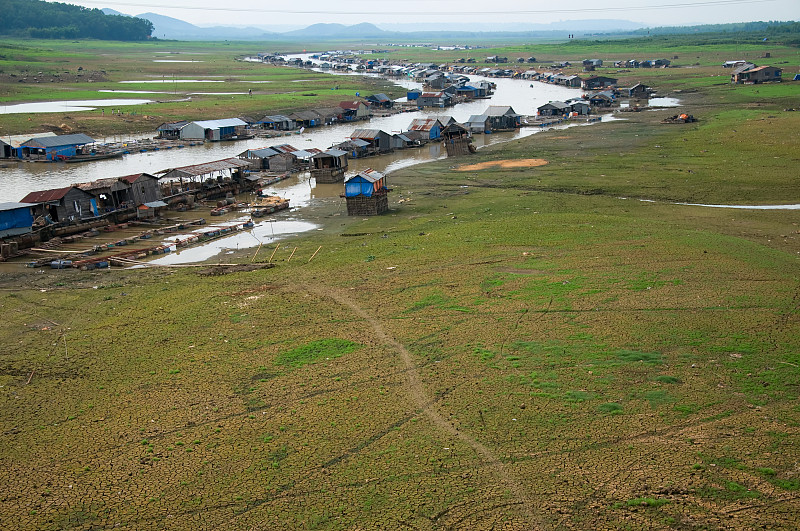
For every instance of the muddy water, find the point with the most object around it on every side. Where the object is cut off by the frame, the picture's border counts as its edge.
(19, 179)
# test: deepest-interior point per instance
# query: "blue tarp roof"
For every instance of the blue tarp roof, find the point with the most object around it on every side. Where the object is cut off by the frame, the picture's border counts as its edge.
(15, 218)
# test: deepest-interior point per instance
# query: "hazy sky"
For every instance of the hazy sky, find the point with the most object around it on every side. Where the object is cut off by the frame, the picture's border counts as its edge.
(648, 12)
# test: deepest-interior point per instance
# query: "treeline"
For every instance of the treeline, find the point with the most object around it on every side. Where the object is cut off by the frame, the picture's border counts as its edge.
(52, 20)
(767, 28)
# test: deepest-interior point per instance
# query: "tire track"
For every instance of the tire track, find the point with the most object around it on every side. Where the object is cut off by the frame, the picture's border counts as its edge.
(426, 403)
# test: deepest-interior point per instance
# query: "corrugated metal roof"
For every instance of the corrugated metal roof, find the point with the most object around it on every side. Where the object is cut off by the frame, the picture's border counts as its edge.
(276, 118)
(155, 204)
(130, 179)
(261, 153)
(359, 143)
(205, 168)
(14, 206)
(368, 175)
(225, 122)
(332, 153)
(284, 148)
(43, 196)
(99, 184)
(366, 133)
(499, 110)
(76, 139)
(350, 105)
(423, 124)
(172, 126)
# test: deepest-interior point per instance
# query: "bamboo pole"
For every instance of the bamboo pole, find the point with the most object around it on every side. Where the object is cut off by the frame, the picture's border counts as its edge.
(274, 251)
(256, 253)
(291, 255)
(315, 253)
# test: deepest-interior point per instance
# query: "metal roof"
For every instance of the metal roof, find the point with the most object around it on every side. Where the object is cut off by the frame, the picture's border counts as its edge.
(284, 148)
(172, 126)
(130, 179)
(350, 105)
(556, 104)
(499, 110)
(195, 170)
(368, 174)
(155, 204)
(43, 196)
(332, 153)
(276, 118)
(366, 133)
(14, 206)
(100, 184)
(225, 122)
(261, 153)
(423, 124)
(302, 154)
(58, 141)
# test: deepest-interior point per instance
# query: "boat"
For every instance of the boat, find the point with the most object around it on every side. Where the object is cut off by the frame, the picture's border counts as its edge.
(267, 205)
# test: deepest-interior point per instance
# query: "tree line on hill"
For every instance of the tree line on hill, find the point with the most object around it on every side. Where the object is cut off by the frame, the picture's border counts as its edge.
(53, 20)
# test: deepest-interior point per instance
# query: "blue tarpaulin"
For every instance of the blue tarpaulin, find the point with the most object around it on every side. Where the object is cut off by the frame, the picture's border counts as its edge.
(15, 218)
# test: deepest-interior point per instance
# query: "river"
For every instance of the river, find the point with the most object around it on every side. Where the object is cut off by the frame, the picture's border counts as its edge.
(22, 178)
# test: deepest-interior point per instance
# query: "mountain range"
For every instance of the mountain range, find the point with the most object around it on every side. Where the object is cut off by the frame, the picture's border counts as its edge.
(173, 28)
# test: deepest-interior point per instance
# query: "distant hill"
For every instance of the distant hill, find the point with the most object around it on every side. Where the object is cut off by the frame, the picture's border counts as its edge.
(173, 28)
(338, 31)
(53, 20)
(570, 26)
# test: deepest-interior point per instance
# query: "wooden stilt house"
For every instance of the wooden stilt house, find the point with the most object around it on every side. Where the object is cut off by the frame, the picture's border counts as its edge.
(456, 140)
(329, 166)
(366, 193)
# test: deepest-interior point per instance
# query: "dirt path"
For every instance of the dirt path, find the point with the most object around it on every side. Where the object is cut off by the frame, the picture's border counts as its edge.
(425, 402)
(513, 163)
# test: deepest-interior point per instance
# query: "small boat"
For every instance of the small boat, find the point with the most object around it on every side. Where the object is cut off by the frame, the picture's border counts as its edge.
(268, 205)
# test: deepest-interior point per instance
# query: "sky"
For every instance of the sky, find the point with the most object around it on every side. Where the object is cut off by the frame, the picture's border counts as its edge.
(648, 12)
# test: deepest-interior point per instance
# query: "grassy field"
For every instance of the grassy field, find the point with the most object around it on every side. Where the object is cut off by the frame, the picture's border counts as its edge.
(521, 348)
(32, 71)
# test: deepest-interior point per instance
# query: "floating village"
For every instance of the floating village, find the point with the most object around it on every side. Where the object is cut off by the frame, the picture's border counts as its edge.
(142, 207)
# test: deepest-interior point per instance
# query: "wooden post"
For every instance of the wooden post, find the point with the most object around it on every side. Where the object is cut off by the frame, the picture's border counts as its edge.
(315, 253)
(256, 253)
(274, 251)
(291, 255)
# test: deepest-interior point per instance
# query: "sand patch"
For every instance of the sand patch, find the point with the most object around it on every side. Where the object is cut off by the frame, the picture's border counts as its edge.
(518, 163)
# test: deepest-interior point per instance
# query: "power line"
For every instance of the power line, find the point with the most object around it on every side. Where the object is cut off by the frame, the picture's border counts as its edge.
(287, 10)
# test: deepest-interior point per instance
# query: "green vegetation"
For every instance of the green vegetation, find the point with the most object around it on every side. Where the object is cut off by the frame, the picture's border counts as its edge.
(524, 348)
(54, 20)
(316, 350)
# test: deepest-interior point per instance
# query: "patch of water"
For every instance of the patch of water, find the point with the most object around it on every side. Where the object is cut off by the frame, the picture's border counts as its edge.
(133, 91)
(67, 106)
(740, 207)
(663, 102)
(268, 230)
(174, 81)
